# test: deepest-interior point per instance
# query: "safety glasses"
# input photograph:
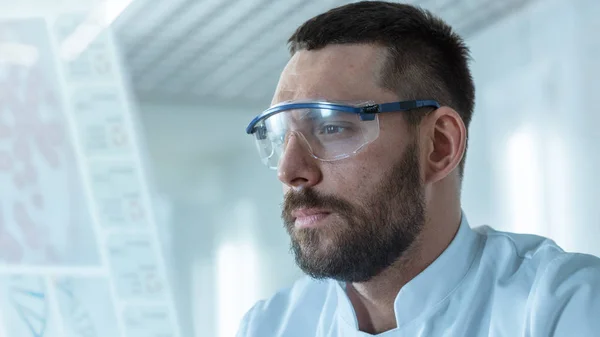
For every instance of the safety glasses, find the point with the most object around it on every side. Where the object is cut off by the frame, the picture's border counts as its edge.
(329, 130)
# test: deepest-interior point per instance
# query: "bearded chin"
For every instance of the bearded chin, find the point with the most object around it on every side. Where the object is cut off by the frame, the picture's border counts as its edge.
(368, 238)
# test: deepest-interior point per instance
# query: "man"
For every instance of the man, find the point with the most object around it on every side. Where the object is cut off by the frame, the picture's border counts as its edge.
(368, 131)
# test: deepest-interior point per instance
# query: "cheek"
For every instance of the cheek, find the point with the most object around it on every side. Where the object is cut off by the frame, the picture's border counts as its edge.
(356, 178)
(351, 180)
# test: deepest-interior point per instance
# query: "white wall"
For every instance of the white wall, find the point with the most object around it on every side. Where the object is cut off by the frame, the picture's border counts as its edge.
(532, 157)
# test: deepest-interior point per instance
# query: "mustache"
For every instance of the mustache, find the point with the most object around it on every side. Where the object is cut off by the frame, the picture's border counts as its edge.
(309, 198)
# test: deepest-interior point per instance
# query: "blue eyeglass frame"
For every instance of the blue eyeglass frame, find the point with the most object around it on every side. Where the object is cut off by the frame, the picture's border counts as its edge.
(366, 113)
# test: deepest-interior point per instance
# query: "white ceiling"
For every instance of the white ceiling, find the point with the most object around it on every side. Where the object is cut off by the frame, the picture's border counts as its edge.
(228, 50)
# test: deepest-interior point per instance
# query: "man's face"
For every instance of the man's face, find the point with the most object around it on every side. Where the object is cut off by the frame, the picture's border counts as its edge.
(352, 218)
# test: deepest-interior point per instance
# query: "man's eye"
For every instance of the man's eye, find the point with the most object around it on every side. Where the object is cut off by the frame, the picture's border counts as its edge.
(332, 129)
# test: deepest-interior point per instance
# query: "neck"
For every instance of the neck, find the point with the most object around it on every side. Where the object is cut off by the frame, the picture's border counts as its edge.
(373, 301)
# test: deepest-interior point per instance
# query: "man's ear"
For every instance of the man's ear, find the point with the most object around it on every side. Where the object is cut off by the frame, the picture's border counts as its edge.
(444, 137)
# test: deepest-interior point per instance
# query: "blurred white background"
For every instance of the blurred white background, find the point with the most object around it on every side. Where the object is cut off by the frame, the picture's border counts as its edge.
(197, 71)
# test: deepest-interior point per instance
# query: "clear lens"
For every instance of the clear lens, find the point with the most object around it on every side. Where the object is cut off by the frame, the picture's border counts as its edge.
(328, 134)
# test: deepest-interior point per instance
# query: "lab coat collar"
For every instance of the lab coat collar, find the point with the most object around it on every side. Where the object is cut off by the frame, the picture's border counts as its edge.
(427, 290)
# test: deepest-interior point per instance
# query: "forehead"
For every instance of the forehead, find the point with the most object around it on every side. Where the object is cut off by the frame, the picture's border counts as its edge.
(336, 72)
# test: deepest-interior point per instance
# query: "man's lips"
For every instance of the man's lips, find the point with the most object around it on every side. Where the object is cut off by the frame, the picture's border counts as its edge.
(309, 217)
(304, 212)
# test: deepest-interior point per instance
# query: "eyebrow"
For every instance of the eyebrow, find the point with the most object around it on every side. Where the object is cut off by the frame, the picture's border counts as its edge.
(310, 114)
(304, 120)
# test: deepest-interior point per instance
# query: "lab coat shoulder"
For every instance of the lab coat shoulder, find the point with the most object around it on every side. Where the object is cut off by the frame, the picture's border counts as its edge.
(532, 250)
(565, 297)
(296, 306)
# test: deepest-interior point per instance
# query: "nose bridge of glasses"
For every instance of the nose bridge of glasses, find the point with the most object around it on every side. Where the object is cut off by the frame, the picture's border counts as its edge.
(294, 138)
(299, 123)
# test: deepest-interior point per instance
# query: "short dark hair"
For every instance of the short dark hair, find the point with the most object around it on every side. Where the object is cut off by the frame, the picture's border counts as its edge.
(426, 59)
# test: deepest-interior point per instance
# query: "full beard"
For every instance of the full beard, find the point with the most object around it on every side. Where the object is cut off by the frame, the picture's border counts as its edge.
(360, 240)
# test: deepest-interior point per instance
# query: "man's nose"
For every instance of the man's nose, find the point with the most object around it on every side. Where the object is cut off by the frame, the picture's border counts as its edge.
(298, 168)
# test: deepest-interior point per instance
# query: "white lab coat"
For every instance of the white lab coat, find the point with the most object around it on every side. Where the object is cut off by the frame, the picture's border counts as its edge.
(486, 283)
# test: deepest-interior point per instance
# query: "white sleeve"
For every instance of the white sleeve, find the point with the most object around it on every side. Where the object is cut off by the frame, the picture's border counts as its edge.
(566, 298)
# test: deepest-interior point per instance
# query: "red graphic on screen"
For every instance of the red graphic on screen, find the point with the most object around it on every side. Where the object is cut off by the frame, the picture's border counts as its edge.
(13, 252)
(33, 149)
(24, 98)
